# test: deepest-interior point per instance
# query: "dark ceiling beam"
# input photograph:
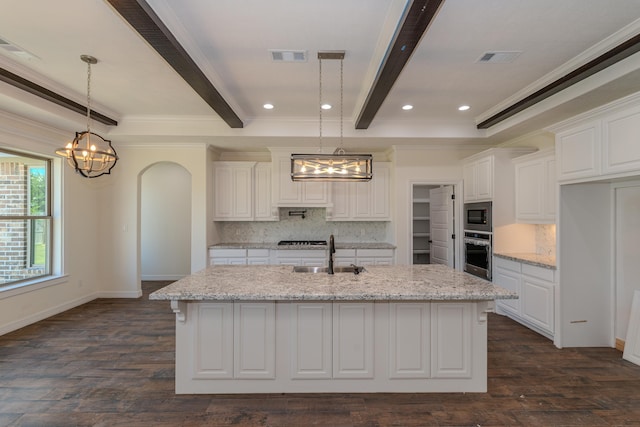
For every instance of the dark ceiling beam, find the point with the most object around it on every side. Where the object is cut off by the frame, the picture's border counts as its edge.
(407, 37)
(145, 21)
(44, 93)
(592, 67)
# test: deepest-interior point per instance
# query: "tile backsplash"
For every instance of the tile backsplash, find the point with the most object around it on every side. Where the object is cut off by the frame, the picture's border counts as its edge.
(313, 227)
(545, 235)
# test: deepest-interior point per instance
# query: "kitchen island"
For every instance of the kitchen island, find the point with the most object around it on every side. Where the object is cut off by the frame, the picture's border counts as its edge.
(266, 329)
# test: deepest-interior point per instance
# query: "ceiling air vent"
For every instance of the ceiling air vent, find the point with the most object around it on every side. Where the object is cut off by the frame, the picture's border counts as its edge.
(15, 50)
(278, 55)
(498, 57)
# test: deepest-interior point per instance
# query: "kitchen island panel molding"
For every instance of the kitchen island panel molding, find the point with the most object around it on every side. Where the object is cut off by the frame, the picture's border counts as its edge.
(363, 347)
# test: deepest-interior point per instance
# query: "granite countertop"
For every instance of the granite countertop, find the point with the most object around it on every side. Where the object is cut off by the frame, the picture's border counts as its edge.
(279, 283)
(339, 245)
(544, 261)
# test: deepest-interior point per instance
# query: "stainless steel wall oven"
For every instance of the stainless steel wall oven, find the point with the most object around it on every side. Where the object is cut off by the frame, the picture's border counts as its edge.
(478, 253)
(478, 239)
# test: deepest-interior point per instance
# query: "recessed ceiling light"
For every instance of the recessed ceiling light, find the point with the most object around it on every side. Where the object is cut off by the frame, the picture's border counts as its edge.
(268, 106)
(326, 106)
(407, 107)
(463, 107)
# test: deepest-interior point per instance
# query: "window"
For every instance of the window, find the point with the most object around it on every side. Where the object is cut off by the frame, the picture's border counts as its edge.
(25, 217)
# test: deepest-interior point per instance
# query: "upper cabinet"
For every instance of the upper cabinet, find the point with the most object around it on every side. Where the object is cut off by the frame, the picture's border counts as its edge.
(478, 179)
(242, 191)
(233, 191)
(295, 194)
(363, 201)
(600, 143)
(536, 187)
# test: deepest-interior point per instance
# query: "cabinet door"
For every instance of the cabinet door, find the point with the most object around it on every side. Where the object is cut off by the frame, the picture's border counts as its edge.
(353, 340)
(451, 340)
(288, 191)
(409, 340)
(530, 184)
(578, 152)
(468, 176)
(340, 195)
(537, 302)
(311, 340)
(379, 192)
(233, 191)
(263, 202)
(315, 193)
(212, 345)
(254, 340)
(621, 151)
(484, 179)
(509, 280)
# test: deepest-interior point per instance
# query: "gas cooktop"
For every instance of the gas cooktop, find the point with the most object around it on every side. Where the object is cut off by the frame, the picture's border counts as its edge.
(302, 243)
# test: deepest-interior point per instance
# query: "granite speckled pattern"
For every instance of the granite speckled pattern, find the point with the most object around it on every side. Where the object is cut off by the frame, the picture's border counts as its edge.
(378, 283)
(544, 261)
(339, 245)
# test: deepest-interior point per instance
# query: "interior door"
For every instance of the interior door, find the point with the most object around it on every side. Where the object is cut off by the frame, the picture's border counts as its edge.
(442, 223)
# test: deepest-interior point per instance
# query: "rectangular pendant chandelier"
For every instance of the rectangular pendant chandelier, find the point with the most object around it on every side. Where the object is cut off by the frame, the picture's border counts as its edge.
(331, 167)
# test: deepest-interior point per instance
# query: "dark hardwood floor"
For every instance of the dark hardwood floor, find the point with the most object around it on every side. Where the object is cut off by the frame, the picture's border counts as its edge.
(110, 363)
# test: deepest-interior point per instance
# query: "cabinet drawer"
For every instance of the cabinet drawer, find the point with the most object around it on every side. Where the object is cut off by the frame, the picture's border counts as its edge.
(301, 253)
(258, 252)
(507, 264)
(375, 252)
(227, 253)
(539, 272)
(345, 253)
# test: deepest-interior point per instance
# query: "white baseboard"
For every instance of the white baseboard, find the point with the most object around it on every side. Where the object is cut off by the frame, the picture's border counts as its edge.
(119, 294)
(162, 276)
(36, 317)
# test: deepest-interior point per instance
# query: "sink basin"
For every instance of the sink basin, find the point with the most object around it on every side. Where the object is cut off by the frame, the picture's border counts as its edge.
(346, 269)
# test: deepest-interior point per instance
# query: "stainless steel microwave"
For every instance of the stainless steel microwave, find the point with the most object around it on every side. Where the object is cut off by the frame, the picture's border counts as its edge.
(477, 217)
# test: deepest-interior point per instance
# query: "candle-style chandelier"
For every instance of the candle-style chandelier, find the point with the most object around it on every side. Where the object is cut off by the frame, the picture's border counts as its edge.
(338, 166)
(89, 154)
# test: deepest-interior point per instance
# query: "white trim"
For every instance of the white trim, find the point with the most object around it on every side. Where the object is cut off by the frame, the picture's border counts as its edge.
(20, 288)
(36, 317)
(118, 294)
(163, 276)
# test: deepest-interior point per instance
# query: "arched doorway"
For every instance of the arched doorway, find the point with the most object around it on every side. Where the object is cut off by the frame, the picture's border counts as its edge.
(165, 222)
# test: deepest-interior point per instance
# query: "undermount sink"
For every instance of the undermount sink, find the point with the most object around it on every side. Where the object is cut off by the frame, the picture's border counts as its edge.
(345, 269)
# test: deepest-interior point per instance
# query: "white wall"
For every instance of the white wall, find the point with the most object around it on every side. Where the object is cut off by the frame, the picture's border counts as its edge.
(79, 213)
(121, 204)
(627, 252)
(165, 222)
(425, 165)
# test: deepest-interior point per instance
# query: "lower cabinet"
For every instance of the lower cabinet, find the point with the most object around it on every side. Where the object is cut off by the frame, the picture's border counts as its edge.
(234, 340)
(345, 257)
(331, 346)
(535, 287)
(218, 256)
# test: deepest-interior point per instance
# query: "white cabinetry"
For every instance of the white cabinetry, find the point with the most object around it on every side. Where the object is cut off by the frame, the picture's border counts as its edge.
(331, 346)
(309, 257)
(478, 179)
(536, 291)
(295, 194)
(242, 192)
(353, 343)
(536, 187)
(363, 201)
(490, 176)
(600, 143)
(233, 340)
(221, 256)
(233, 191)
(360, 257)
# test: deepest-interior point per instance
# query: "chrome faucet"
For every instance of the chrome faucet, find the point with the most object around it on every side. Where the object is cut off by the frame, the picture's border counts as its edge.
(332, 251)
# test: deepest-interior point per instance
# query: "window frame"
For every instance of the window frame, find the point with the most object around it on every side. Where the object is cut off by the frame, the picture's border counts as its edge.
(47, 216)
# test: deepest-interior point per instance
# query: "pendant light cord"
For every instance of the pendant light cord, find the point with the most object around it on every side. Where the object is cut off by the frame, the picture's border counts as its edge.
(341, 101)
(320, 103)
(88, 98)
